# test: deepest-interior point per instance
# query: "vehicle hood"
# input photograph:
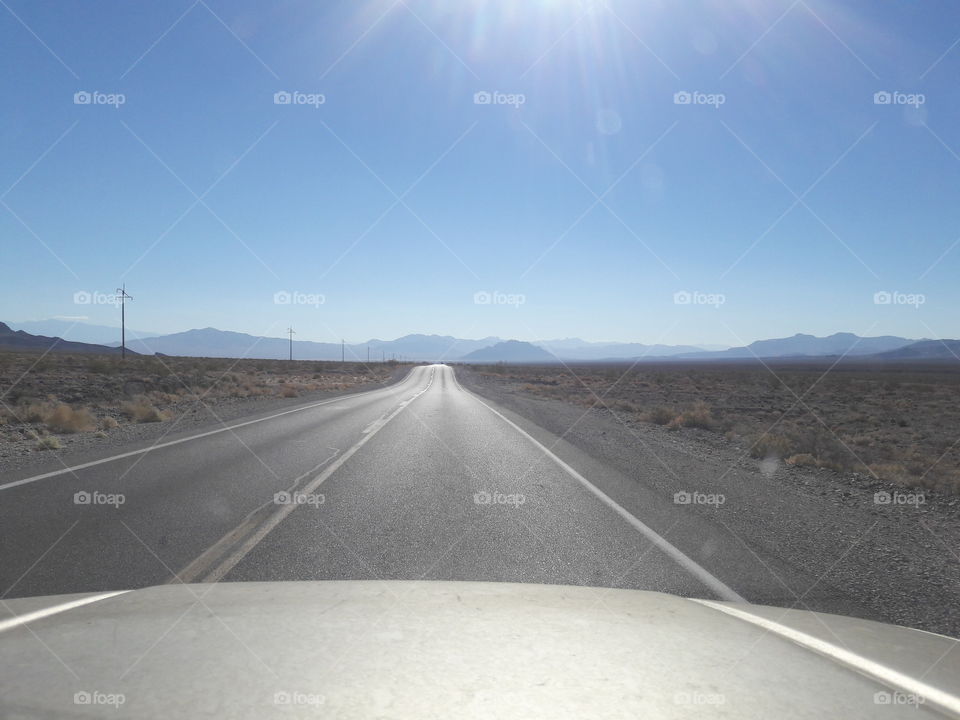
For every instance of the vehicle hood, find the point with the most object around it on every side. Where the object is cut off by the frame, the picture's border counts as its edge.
(424, 650)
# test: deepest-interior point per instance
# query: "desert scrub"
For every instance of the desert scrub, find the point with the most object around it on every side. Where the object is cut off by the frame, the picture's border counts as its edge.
(58, 417)
(698, 416)
(142, 411)
(771, 446)
(48, 442)
(65, 419)
(661, 415)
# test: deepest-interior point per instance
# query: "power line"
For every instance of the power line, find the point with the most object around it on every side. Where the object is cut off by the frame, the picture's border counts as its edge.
(122, 294)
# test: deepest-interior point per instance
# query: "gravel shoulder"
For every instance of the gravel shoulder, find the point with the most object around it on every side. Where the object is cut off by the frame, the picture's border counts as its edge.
(898, 560)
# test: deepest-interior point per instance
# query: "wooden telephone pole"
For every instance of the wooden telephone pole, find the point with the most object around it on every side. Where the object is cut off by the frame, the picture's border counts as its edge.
(291, 333)
(122, 294)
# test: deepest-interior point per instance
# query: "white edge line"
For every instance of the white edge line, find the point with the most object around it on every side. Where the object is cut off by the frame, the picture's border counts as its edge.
(271, 522)
(83, 466)
(55, 610)
(870, 668)
(690, 565)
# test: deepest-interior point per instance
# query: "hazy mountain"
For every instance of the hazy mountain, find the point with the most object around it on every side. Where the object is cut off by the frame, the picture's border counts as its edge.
(18, 340)
(809, 345)
(510, 351)
(426, 347)
(77, 331)
(210, 342)
(924, 350)
(614, 351)
(565, 343)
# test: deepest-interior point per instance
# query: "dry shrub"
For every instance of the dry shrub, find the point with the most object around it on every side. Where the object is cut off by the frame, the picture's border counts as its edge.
(108, 423)
(140, 410)
(802, 460)
(288, 391)
(699, 416)
(35, 412)
(893, 472)
(661, 415)
(768, 445)
(823, 446)
(66, 419)
(48, 443)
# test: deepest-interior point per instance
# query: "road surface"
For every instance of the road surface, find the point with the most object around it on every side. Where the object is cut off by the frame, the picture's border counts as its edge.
(419, 480)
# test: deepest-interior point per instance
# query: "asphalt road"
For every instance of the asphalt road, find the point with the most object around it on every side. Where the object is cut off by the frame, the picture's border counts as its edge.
(419, 480)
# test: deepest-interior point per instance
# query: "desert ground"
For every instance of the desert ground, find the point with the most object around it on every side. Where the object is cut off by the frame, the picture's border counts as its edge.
(62, 401)
(897, 423)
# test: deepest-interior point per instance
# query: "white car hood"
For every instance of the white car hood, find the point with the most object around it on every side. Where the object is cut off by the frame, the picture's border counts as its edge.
(453, 650)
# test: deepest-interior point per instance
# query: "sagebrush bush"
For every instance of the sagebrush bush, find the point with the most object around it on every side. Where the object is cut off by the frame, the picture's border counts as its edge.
(66, 419)
(142, 411)
(661, 415)
(767, 446)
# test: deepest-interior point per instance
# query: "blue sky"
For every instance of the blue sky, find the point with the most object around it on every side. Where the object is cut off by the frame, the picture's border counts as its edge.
(580, 202)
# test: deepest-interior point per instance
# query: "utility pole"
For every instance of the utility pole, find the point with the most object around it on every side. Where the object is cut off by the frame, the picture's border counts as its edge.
(368, 354)
(343, 344)
(291, 333)
(383, 356)
(122, 294)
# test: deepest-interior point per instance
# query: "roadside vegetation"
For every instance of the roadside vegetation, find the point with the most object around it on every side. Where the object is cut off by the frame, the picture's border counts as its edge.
(45, 400)
(896, 423)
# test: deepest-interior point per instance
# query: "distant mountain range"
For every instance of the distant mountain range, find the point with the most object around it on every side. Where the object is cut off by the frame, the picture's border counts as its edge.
(808, 345)
(211, 342)
(511, 351)
(18, 340)
(576, 349)
(925, 350)
(78, 331)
